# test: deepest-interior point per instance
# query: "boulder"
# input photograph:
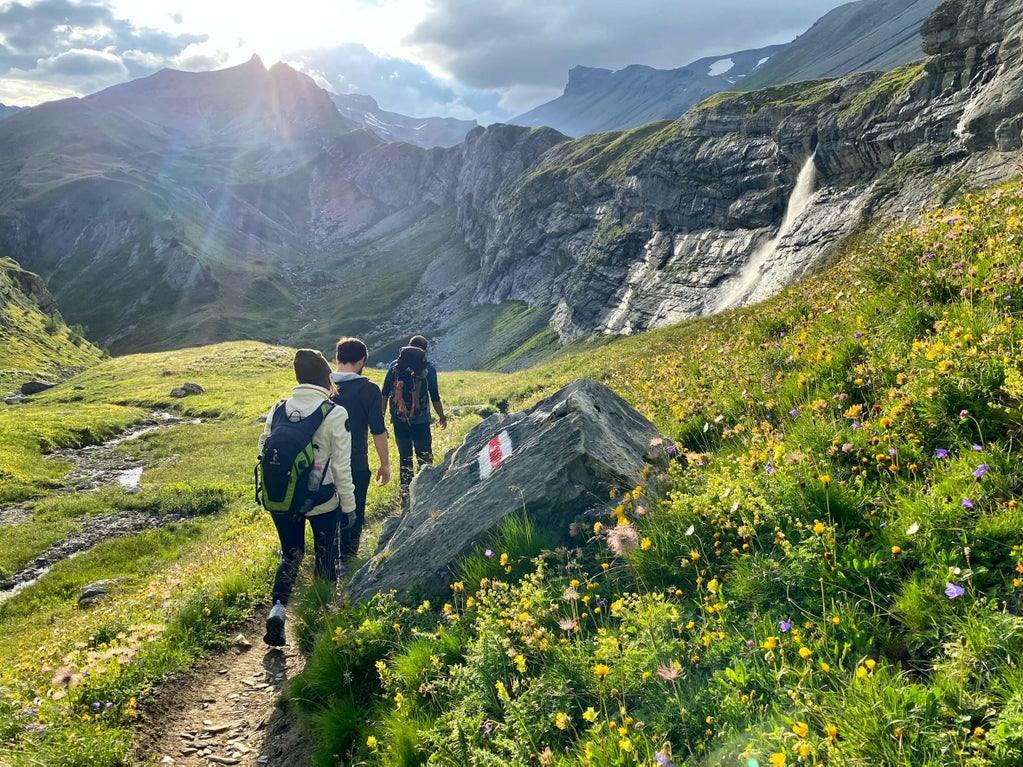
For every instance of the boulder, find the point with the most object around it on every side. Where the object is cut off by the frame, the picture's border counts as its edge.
(186, 389)
(556, 461)
(34, 387)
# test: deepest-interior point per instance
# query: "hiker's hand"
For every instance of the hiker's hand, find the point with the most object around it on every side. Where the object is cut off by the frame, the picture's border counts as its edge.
(443, 422)
(383, 475)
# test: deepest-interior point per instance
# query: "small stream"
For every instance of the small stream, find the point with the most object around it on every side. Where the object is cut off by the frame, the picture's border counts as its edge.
(93, 467)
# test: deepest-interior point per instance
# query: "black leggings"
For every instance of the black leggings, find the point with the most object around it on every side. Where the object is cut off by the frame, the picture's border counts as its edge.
(291, 531)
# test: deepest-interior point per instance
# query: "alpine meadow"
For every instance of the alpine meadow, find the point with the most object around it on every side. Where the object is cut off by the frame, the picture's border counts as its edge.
(813, 291)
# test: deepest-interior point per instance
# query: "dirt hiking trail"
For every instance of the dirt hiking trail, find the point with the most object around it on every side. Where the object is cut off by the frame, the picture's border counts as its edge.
(224, 711)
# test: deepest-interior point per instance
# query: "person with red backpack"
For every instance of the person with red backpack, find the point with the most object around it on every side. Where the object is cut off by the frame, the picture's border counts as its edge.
(285, 479)
(410, 387)
(361, 398)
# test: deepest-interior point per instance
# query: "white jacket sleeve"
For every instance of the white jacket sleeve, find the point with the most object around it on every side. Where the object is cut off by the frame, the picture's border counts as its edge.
(341, 457)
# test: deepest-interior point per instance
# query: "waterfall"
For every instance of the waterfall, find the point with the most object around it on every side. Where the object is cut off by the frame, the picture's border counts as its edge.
(750, 275)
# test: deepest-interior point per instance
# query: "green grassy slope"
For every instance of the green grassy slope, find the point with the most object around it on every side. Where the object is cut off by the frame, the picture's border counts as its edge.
(34, 341)
(832, 576)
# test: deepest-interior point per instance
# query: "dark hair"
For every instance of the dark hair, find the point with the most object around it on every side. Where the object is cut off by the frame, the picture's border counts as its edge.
(420, 341)
(351, 350)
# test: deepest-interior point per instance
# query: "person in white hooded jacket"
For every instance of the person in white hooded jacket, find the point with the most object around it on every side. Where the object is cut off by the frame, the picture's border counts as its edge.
(332, 441)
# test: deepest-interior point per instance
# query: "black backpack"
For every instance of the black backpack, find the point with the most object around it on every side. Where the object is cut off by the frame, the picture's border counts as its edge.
(408, 394)
(282, 471)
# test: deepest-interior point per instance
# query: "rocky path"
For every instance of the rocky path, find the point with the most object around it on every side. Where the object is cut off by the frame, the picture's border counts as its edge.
(224, 712)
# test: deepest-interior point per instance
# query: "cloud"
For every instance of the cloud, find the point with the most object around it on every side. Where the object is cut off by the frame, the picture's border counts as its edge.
(75, 48)
(529, 47)
(84, 63)
(396, 84)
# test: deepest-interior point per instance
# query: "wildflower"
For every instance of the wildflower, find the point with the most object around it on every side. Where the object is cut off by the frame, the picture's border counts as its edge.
(967, 503)
(371, 742)
(978, 448)
(831, 731)
(489, 554)
(646, 544)
(825, 667)
(981, 470)
(870, 663)
(941, 453)
(784, 626)
(622, 539)
(896, 550)
(825, 479)
(860, 672)
(520, 663)
(663, 758)
(952, 591)
(504, 559)
(819, 527)
(601, 670)
(777, 759)
(770, 643)
(590, 715)
(562, 721)
(794, 412)
(769, 469)
(963, 414)
(805, 652)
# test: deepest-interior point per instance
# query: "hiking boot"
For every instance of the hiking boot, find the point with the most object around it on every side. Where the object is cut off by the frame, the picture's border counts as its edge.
(274, 636)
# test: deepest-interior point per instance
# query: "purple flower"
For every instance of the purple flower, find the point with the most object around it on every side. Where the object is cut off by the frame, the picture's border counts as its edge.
(769, 469)
(857, 335)
(967, 503)
(952, 591)
(489, 554)
(963, 413)
(784, 626)
(892, 451)
(794, 412)
(855, 425)
(941, 453)
(96, 705)
(662, 758)
(980, 470)
(978, 448)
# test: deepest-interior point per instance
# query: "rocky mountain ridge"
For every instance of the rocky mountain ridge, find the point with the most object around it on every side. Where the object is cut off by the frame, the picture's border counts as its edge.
(860, 36)
(390, 126)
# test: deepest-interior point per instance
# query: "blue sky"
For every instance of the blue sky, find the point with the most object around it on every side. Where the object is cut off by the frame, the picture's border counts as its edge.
(459, 58)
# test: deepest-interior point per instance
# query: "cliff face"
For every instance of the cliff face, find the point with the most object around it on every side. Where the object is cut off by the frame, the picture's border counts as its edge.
(621, 240)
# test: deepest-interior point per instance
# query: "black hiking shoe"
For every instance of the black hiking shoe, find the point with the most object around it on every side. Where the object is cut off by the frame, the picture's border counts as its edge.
(274, 635)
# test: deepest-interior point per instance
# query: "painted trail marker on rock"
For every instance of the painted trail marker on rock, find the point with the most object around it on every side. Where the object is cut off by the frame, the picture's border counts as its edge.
(496, 451)
(553, 462)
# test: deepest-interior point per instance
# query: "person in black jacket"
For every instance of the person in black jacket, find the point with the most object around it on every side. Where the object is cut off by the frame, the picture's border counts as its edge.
(361, 398)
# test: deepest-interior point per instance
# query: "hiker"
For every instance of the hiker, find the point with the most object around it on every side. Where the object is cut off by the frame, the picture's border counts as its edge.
(360, 397)
(410, 386)
(332, 446)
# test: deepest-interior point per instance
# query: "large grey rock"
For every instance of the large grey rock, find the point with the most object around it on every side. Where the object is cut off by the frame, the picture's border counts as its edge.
(556, 460)
(35, 387)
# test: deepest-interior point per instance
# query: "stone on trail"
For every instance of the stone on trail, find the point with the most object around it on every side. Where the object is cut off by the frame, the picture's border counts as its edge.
(556, 461)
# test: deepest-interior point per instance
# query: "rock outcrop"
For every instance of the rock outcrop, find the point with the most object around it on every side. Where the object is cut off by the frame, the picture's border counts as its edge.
(555, 461)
